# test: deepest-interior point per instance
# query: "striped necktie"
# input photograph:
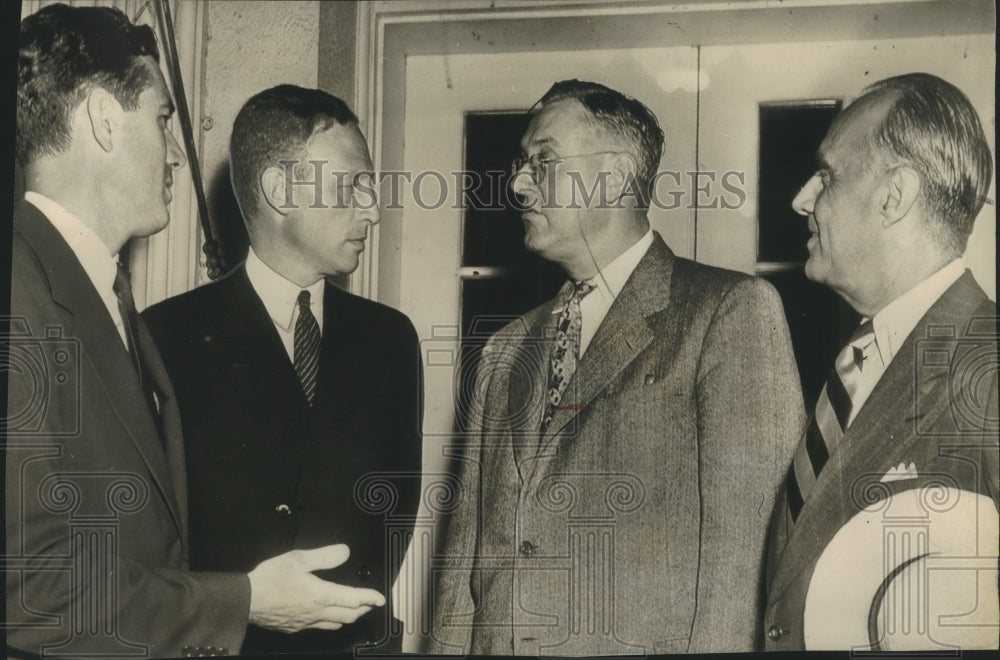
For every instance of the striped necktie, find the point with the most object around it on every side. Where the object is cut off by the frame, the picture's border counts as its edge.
(832, 416)
(306, 347)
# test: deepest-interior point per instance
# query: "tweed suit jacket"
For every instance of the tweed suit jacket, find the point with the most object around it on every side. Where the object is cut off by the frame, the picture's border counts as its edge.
(268, 472)
(636, 523)
(924, 413)
(94, 502)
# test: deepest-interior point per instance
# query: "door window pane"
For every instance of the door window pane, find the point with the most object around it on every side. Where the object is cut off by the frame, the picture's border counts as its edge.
(790, 134)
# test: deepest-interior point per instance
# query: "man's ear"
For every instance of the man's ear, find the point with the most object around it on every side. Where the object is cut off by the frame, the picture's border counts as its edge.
(902, 186)
(104, 113)
(274, 190)
(622, 177)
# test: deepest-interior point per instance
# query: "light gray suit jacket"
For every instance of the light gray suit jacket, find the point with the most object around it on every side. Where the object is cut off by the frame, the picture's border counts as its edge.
(934, 407)
(636, 524)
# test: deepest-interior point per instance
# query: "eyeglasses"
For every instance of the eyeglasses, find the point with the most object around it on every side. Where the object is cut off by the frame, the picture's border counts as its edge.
(536, 164)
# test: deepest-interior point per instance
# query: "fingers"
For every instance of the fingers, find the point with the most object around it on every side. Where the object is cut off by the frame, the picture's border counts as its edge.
(338, 595)
(328, 556)
(341, 615)
(325, 625)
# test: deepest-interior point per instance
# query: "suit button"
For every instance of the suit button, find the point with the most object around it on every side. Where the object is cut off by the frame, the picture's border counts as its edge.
(528, 548)
(283, 511)
(364, 572)
(775, 632)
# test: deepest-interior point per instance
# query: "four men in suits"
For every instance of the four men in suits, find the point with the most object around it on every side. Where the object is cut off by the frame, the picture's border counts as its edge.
(611, 492)
(301, 403)
(885, 535)
(96, 558)
(627, 434)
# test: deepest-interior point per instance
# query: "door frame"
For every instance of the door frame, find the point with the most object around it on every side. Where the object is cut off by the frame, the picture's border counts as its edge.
(388, 32)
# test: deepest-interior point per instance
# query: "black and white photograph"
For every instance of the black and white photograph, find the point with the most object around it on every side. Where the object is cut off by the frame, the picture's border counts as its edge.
(500, 327)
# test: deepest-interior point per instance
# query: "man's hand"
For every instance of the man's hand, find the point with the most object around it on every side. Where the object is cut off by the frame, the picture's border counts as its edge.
(286, 596)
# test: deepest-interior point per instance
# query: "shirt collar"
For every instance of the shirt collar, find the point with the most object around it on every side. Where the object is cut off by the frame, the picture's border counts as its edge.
(894, 322)
(279, 295)
(100, 265)
(610, 280)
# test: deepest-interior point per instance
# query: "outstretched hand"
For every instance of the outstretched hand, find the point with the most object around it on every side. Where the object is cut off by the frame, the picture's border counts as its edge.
(286, 596)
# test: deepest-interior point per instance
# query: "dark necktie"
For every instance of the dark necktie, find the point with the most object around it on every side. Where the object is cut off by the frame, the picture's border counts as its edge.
(306, 348)
(130, 319)
(827, 425)
(566, 350)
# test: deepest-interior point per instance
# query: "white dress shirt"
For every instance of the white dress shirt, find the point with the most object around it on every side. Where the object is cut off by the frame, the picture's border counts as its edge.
(94, 256)
(595, 305)
(280, 298)
(894, 323)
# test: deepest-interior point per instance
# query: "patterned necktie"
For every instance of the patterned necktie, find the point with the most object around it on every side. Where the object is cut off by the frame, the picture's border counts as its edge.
(566, 351)
(306, 348)
(833, 413)
(130, 319)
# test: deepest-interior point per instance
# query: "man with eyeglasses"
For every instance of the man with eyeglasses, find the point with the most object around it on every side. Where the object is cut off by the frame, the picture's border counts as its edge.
(301, 403)
(629, 435)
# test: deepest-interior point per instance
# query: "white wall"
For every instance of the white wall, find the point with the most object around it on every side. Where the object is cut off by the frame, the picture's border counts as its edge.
(249, 46)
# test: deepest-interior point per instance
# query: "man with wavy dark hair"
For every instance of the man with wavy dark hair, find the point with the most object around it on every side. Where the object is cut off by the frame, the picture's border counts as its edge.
(96, 558)
(885, 534)
(625, 435)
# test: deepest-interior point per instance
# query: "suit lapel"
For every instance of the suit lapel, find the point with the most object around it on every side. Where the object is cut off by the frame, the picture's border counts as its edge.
(248, 329)
(525, 362)
(100, 342)
(879, 436)
(171, 422)
(621, 337)
(249, 346)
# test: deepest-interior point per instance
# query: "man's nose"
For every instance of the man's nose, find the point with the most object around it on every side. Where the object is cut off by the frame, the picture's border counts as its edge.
(175, 155)
(803, 202)
(373, 215)
(365, 201)
(524, 188)
(521, 182)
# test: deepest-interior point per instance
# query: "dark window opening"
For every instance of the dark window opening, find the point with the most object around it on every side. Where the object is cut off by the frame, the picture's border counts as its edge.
(501, 279)
(819, 321)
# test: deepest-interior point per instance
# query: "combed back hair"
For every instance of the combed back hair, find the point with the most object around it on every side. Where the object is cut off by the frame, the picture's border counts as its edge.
(64, 53)
(619, 117)
(932, 127)
(275, 125)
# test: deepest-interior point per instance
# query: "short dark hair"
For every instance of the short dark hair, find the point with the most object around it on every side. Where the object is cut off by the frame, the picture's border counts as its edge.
(620, 116)
(274, 125)
(66, 51)
(933, 127)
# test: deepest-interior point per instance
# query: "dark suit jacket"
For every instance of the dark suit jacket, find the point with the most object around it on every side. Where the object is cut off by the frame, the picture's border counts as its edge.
(639, 526)
(94, 501)
(268, 474)
(922, 411)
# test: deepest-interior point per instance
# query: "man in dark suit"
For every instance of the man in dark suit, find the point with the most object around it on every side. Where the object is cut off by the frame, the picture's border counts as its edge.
(627, 434)
(95, 498)
(885, 535)
(300, 403)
